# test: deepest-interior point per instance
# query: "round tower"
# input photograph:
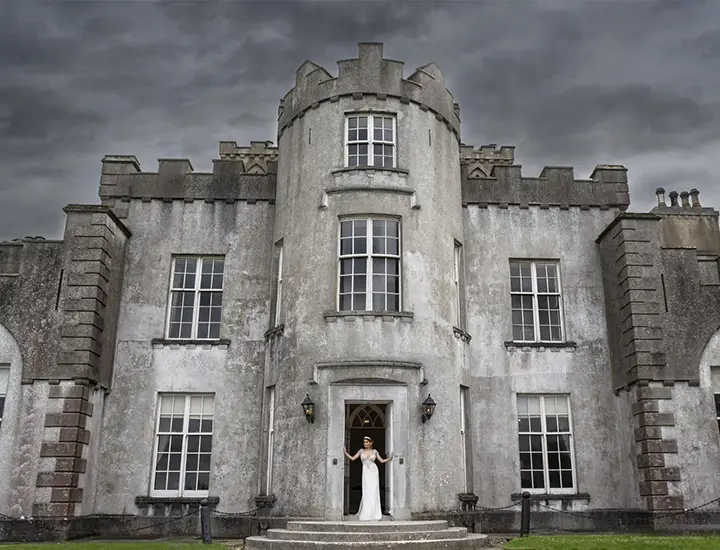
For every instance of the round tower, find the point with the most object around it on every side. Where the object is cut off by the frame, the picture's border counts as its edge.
(368, 223)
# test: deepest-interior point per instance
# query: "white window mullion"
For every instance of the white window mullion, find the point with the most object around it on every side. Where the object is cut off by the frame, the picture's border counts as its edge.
(196, 302)
(271, 442)
(369, 266)
(183, 456)
(156, 446)
(168, 315)
(278, 295)
(399, 256)
(543, 427)
(394, 144)
(536, 315)
(347, 151)
(463, 428)
(562, 310)
(371, 135)
(573, 468)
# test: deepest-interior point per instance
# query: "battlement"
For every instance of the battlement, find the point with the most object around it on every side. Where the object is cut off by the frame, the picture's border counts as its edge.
(555, 187)
(12, 253)
(369, 74)
(481, 160)
(254, 159)
(241, 173)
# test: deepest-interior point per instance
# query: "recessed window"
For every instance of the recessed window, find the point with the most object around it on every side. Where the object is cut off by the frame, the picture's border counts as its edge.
(196, 292)
(459, 283)
(4, 382)
(370, 141)
(536, 301)
(183, 445)
(369, 265)
(715, 382)
(545, 441)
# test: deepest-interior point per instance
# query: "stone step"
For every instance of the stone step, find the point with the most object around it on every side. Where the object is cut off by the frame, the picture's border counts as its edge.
(365, 526)
(469, 542)
(367, 535)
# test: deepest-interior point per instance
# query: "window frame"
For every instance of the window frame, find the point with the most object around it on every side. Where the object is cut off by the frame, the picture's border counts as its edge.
(369, 265)
(197, 291)
(715, 389)
(534, 293)
(459, 282)
(370, 141)
(270, 441)
(4, 391)
(544, 433)
(180, 492)
(279, 287)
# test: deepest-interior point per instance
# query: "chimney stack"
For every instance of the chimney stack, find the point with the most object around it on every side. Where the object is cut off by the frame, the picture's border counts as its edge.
(695, 196)
(673, 198)
(660, 192)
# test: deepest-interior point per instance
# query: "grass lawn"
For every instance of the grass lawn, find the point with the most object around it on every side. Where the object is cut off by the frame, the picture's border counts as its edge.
(614, 542)
(118, 545)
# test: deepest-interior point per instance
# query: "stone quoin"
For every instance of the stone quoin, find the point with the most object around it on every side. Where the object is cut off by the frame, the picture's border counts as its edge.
(162, 352)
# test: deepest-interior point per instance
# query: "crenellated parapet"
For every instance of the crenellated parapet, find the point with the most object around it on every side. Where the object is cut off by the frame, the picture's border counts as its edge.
(369, 75)
(556, 186)
(481, 160)
(260, 158)
(240, 174)
(13, 253)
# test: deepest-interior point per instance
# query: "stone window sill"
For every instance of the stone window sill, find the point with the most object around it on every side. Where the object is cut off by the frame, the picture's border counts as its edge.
(540, 346)
(151, 501)
(402, 171)
(551, 496)
(352, 316)
(462, 335)
(159, 343)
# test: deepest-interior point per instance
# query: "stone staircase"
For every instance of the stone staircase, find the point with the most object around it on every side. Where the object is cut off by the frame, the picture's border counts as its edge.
(355, 535)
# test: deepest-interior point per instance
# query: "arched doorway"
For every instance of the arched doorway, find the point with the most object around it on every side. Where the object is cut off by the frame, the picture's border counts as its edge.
(363, 419)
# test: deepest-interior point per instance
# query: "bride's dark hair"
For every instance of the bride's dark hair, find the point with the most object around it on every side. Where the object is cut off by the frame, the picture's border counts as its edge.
(366, 438)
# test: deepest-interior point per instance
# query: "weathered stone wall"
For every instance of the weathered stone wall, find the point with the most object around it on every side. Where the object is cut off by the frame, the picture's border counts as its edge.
(579, 367)
(147, 364)
(30, 278)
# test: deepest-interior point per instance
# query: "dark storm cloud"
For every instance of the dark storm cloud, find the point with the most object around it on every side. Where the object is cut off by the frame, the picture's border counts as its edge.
(571, 83)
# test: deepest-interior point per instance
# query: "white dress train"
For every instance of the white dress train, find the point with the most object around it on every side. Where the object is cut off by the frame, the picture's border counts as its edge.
(370, 503)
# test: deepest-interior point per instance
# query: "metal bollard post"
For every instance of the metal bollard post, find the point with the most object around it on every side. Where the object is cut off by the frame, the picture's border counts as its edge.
(525, 515)
(205, 522)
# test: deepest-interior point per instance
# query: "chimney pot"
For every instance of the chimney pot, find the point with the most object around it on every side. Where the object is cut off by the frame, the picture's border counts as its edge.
(695, 196)
(685, 196)
(673, 198)
(660, 192)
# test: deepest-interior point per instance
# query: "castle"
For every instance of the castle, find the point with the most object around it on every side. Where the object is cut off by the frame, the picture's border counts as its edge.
(224, 335)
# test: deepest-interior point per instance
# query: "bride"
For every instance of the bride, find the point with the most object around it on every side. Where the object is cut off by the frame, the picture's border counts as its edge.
(370, 502)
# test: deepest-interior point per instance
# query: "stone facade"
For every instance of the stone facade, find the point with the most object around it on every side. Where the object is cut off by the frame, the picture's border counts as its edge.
(572, 347)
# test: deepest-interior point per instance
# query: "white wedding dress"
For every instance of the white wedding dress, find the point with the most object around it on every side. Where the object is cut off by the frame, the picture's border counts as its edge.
(370, 503)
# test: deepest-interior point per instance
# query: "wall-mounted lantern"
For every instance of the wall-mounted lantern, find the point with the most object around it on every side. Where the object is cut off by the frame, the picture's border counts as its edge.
(428, 408)
(309, 409)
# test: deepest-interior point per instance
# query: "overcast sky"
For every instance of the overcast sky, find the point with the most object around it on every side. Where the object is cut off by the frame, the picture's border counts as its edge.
(568, 83)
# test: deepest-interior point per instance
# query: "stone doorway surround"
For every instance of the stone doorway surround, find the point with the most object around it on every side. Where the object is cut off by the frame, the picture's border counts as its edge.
(394, 382)
(396, 396)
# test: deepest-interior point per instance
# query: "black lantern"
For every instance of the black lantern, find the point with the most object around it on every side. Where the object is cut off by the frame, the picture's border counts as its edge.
(309, 409)
(428, 408)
